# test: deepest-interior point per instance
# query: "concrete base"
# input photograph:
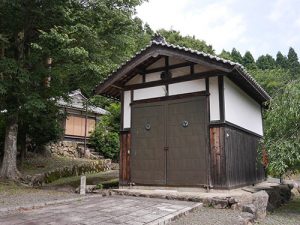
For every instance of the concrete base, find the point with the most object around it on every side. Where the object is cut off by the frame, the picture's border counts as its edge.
(258, 198)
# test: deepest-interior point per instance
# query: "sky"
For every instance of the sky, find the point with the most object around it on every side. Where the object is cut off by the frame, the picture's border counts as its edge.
(260, 26)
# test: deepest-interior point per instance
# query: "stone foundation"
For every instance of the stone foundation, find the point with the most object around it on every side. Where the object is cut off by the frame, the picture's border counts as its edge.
(76, 170)
(71, 149)
(252, 202)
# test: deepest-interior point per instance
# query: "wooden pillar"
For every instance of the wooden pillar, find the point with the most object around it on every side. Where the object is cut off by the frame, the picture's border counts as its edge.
(125, 145)
(218, 163)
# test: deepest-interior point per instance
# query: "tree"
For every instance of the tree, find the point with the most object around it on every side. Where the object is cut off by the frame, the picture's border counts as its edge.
(282, 130)
(236, 56)
(174, 37)
(226, 55)
(271, 79)
(265, 62)
(293, 63)
(2, 133)
(248, 61)
(85, 39)
(23, 71)
(281, 61)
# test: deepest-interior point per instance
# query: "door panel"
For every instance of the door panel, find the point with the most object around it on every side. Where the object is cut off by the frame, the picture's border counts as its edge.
(186, 139)
(148, 158)
(179, 125)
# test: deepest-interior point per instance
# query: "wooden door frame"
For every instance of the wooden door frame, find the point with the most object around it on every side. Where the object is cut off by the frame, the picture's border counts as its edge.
(181, 97)
(170, 97)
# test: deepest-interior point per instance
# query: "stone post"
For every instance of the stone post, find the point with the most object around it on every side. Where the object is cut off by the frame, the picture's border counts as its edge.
(82, 185)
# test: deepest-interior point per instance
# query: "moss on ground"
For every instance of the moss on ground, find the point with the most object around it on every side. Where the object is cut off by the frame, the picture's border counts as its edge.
(107, 179)
(36, 164)
(10, 188)
(291, 207)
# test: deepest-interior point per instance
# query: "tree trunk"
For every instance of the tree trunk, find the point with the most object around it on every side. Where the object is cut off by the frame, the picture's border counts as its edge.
(9, 165)
(23, 149)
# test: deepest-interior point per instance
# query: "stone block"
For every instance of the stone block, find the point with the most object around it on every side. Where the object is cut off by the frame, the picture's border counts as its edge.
(250, 208)
(260, 201)
(246, 218)
(219, 203)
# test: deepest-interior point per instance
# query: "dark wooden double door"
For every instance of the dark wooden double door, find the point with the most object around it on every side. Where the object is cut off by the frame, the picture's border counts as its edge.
(169, 142)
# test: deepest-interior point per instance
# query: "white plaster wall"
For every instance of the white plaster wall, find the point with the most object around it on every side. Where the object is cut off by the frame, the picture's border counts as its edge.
(187, 87)
(214, 99)
(151, 92)
(241, 109)
(127, 110)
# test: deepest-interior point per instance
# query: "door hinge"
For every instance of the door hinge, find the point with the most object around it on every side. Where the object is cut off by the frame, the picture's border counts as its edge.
(166, 148)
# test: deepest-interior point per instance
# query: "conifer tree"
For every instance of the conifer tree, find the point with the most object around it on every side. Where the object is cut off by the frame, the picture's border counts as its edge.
(281, 61)
(226, 55)
(293, 63)
(248, 60)
(266, 62)
(236, 56)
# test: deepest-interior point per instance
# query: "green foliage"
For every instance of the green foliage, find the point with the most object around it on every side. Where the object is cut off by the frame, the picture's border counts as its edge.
(272, 79)
(293, 63)
(100, 101)
(226, 55)
(248, 61)
(99, 186)
(174, 37)
(47, 123)
(282, 130)
(105, 137)
(266, 62)
(85, 39)
(236, 56)
(281, 61)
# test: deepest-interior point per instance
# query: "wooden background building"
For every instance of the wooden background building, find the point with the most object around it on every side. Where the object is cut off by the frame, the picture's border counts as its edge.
(80, 121)
(188, 119)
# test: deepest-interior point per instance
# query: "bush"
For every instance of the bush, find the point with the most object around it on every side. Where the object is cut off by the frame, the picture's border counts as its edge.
(105, 138)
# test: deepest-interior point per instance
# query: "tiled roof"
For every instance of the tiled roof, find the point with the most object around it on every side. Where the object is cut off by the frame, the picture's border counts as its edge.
(158, 41)
(77, 101)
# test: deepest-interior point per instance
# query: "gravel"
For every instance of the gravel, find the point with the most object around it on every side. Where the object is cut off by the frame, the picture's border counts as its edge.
(209, 216)
(286, 215)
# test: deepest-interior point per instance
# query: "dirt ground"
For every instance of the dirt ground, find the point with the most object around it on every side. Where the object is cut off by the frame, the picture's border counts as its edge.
(15, 195)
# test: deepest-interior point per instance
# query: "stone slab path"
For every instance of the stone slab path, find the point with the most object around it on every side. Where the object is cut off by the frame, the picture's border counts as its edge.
(104, 210)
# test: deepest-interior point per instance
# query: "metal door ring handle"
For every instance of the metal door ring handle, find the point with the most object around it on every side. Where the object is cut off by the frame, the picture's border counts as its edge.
(185, 123)
(147, 126)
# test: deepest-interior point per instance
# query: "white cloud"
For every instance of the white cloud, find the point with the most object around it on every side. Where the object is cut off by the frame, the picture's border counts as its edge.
(260, 26)
(278, 10)
(281, 10)
(215, 23)
(297, 23)
(161, 13)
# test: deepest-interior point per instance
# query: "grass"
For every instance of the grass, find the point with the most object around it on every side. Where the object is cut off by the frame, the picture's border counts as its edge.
(291, 207)
(107, 179)
(12, 188)
(36, 164)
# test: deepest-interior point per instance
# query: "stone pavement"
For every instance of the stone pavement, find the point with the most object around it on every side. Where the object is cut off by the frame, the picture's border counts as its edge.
(104, 210)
